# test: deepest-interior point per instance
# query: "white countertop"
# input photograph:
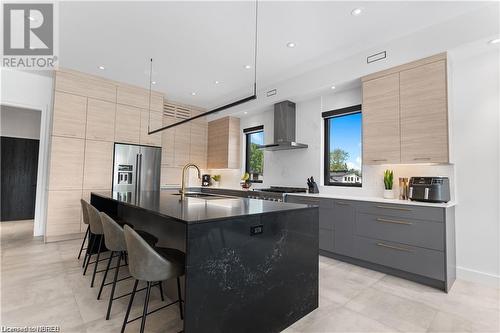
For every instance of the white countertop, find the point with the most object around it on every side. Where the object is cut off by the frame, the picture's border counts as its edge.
(376, 199)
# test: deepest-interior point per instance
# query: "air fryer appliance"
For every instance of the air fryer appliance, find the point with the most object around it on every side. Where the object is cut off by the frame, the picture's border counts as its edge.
(136, 168)
(205, 180)
(429, 189)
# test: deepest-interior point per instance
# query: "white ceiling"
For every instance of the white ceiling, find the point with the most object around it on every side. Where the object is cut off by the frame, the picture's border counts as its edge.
(193, 44)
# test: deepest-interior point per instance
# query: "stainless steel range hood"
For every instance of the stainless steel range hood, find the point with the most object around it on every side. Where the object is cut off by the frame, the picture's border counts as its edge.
(284, 128)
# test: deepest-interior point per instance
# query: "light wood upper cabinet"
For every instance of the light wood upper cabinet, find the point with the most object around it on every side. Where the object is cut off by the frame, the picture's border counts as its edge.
(171, 176)
(424, 114)
(381, 137)
(98, 170)
(150, 121)
(66, 163)
(100, 120)
(167, 142)
(182, 142)
(224, 143)
(70, 112)
(405, 113)
(85, 85)
(138, 97)
(198, 147)
(128, 124)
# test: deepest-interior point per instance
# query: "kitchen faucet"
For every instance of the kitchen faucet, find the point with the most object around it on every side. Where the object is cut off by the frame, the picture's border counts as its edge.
(182, 191)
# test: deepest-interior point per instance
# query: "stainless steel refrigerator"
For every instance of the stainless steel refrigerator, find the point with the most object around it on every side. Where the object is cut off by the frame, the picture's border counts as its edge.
(136, 168)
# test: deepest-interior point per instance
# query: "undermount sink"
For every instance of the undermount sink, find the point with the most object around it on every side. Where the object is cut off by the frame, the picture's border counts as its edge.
(202, 195)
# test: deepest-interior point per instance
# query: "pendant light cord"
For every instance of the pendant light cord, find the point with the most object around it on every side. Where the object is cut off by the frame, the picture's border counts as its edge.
(255, 47)
(150, 92)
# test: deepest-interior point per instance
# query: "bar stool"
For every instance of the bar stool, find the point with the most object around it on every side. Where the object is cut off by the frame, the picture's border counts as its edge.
(96, 230)
(114, 240)
(151, 265)
(85, 216)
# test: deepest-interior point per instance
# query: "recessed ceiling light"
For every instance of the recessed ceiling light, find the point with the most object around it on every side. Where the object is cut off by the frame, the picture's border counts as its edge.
(248, 66)
(494, 41)
(193, 93)
(154, 82)
(332, 87)
(290, 44)
(356, 11)
(101, 67)
(217, 82)
(245, 112)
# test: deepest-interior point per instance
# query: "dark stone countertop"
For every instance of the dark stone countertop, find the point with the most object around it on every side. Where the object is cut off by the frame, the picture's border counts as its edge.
(197, 210)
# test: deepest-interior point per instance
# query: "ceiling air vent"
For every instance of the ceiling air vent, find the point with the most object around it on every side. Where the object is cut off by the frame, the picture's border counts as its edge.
(271, 93)
(376, 57)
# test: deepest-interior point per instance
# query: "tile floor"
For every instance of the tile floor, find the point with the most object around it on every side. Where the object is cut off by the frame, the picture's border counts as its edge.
(42, 284)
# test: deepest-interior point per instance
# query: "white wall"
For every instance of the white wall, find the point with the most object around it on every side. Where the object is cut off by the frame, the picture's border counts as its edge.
(20, 122)
(33, 90)
(475, 118)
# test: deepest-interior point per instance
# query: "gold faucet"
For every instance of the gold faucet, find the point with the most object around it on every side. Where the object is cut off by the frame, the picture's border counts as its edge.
(182, 191)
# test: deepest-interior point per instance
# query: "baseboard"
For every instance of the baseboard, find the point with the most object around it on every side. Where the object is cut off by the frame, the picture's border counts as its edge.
(490, 280)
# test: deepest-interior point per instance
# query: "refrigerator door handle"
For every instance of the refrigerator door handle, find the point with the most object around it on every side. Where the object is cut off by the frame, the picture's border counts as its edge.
(136, 173)
(140, 172)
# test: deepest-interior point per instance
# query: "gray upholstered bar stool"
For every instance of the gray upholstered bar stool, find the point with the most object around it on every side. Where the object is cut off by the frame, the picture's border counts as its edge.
(151, 265)
(114, 239)
(85, 216)
(97, 232)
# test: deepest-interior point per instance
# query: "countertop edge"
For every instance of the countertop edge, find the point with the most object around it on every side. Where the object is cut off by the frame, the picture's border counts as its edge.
(376, 199)
(104, 196)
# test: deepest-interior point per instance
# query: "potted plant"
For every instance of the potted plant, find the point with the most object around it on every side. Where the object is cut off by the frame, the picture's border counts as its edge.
(216, 180)
(388, 182)
(245, 181)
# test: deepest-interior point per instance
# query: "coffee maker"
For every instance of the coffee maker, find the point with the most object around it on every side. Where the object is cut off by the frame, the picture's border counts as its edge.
(205, 180)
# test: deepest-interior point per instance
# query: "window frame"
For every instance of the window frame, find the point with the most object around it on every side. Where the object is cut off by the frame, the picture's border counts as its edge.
(327, 115)
(248, 132)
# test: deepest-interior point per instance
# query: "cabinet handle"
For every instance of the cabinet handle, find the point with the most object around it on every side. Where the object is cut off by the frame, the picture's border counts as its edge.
(421, 158)
(380, 160)
(393, 221)
(394, 208)
(342, 203)
(394, 247)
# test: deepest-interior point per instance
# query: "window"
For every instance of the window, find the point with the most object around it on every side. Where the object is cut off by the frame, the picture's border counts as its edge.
(254, 157)
(343, 147)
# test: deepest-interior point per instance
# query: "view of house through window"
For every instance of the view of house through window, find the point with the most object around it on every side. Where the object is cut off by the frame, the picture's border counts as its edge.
(343, 149)
(254, 155)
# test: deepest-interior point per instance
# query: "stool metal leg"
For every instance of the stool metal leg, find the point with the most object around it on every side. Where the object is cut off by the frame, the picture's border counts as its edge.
(161, 291)
(88, 255)
(112, 294)
(129, 306)
(145, 311)
(180, 297)
(97, 260)
(106, 274)
(83, 242)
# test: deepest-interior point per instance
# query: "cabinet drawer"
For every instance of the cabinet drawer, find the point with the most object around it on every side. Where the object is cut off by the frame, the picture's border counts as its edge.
(416, 260)
(428, 234)
(302, 200)
(402, 211)
(326, 239)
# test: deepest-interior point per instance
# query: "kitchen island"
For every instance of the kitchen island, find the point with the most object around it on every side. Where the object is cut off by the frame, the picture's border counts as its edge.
(251, 265)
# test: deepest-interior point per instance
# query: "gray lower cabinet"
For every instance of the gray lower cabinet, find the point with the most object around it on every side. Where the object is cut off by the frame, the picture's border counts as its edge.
(343, 218)
(410, 241)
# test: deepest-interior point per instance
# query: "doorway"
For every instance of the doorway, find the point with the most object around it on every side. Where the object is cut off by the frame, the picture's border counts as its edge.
(19, 146)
